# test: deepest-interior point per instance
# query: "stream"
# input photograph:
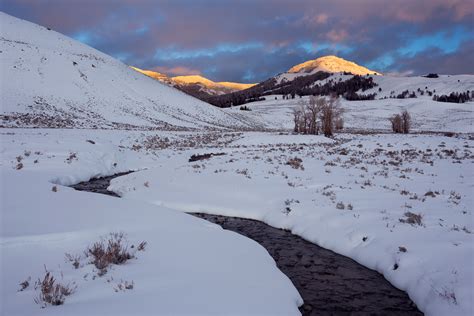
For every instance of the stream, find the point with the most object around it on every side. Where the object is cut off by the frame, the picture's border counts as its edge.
(329, 283)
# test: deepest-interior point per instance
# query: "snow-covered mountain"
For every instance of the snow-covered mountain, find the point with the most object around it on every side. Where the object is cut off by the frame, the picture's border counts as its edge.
(331, 64)
(331, 75)
(196, 85)
(50, 80)
(213, 88)
(235, 85)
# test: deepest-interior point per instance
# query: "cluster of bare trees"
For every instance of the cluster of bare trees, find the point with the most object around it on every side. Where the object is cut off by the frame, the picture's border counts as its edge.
(318, 114)
(401, 122)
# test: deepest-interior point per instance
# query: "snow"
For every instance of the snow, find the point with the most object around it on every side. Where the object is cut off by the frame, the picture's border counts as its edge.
(370, 173)
(190, 266)
(427, 115)
(332, 64)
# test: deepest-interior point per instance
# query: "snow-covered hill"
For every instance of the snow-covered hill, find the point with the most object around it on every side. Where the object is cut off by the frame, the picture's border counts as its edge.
(50, 80)
(208, 86)
(427, 115)
(236, 85)
(197, 84)
(330, 64)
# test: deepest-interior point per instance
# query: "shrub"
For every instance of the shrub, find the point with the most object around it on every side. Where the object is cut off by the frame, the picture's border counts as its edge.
(412, 218)
(396, 121)
(113, 250)
(52, 292)
(401, 123)
(295, 163)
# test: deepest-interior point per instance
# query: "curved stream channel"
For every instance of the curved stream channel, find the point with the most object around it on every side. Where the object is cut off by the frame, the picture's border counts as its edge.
(329, 283)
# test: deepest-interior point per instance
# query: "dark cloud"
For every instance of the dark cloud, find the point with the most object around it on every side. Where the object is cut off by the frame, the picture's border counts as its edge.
(251, 40)
(436, 61)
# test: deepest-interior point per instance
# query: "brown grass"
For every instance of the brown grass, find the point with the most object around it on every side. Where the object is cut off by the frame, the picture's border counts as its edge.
(111, 250)
(52, 292)
(295, 163)
(412, 218)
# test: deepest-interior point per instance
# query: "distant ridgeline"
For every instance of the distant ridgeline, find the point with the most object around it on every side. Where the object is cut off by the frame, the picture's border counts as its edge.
(301, 86)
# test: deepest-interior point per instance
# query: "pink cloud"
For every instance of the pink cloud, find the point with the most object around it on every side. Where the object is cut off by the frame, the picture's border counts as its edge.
(314, 19)
(177, 71)
(337, 35)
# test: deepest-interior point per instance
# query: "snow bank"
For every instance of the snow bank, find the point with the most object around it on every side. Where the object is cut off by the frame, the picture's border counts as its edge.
(354, 197)
(190, 266)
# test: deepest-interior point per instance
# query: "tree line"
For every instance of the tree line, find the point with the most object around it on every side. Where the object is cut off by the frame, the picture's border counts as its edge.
(300, 86)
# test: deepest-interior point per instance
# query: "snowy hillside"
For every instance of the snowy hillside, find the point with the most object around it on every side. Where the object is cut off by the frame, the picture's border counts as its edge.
(196, 85)
(390, 85)
(427, 114)
(206, 85)
(50, 80)
(331, 64)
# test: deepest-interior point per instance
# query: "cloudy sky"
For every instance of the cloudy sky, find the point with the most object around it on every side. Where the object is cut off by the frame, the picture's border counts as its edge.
(251, 40)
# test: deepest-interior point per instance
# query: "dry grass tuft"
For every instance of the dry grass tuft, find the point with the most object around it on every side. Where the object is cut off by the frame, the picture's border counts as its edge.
(111, 250)
(24, 285)
(295, 163)
(52, 292)
(412, 219)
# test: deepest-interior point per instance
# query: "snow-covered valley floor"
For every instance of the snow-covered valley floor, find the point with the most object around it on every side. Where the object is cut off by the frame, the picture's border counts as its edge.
(427, 115)
(329, 283)
(398, 204)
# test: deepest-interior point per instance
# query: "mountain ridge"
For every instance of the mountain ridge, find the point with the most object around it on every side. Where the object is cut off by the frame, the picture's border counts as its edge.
(192, 84)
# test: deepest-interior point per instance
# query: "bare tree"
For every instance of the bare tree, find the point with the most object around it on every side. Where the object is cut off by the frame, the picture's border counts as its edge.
(304, 119)
(318, 113)
(330, 113)
(296, 119)
(339, 124)
(314, 108)
(406, 122)
(396, 121)
(401, 123)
